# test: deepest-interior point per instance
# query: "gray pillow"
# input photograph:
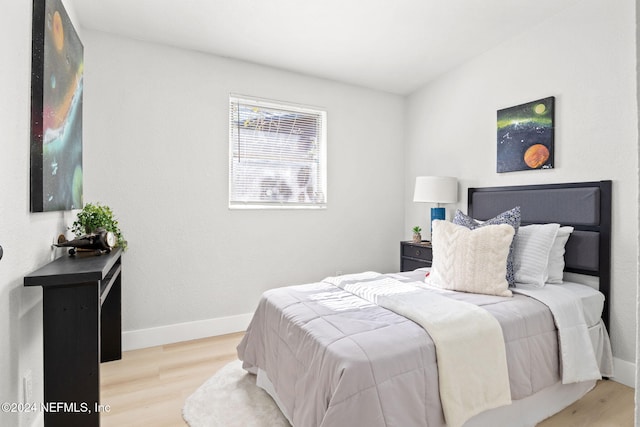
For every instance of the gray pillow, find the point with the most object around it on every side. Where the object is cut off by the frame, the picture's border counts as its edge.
(511, 217)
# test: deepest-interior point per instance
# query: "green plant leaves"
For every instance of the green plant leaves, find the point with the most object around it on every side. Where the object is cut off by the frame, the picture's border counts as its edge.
(94, 216)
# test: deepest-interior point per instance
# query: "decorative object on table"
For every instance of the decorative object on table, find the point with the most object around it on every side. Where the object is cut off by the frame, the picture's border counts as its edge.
(94, 219)
(525, 136)
(99, 242)
(57, 69)
(417, 237)
(436, 189)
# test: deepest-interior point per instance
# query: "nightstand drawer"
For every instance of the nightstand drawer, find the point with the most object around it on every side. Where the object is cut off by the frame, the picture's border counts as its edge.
(414, 255)
(410, 264)
(417, 252)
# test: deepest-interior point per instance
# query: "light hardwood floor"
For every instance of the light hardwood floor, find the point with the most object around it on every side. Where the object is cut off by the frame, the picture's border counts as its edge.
(148, 387)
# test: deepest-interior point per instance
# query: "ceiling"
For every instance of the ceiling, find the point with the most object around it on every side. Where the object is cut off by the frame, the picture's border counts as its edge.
(389, 45)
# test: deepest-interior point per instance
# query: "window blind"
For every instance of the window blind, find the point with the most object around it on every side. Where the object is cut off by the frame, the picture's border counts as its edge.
(277, 155)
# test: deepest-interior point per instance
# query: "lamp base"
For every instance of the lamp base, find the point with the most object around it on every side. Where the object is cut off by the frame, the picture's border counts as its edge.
(437, 213)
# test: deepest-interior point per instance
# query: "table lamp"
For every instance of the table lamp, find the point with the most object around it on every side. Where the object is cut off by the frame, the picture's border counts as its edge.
(436, 189)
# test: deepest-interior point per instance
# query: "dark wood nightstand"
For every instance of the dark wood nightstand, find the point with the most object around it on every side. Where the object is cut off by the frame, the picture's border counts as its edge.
(415, 255)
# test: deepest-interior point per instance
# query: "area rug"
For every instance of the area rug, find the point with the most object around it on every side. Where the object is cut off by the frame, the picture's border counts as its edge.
(231, 399)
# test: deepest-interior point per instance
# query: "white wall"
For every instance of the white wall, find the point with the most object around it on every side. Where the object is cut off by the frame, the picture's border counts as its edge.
(156, 151)
(25, 237)
(154, 114)
(585, 57)
(637, 384)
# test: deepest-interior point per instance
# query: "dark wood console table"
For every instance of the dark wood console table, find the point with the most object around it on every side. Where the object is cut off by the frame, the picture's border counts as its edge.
(82, 327)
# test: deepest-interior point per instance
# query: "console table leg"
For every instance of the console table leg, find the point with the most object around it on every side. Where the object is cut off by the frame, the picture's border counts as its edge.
(111, 328)
(71, 317)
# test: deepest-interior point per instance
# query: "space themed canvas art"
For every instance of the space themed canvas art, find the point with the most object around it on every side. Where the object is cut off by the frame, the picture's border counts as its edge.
(57, 71)
(525, 136)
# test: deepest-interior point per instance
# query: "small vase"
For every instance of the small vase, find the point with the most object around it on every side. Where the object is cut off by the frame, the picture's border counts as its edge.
(417, 238)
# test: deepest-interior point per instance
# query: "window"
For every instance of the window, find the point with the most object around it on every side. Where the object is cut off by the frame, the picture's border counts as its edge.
(277, 155)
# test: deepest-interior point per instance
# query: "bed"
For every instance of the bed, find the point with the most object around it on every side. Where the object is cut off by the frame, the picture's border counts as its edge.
(376, 349)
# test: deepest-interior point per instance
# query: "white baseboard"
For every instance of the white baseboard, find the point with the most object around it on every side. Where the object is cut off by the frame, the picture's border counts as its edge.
(151, 337)
(625, 372)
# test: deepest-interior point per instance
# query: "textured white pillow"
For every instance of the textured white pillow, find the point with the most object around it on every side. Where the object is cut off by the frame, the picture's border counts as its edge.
(531, 251)
(555, 267)
(470, 260)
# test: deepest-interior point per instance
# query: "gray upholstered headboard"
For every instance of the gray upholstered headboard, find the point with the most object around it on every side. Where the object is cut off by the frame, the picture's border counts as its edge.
(584, 205)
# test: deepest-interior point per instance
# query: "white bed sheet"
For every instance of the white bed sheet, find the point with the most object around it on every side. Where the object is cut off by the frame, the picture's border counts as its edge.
(592, 301)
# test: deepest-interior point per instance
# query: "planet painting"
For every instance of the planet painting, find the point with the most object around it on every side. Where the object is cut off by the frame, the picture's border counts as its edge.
(56, 108)
(525, 136)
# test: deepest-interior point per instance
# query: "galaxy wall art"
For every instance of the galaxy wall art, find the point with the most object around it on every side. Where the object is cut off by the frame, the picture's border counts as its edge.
(525, 136)
(57, 69)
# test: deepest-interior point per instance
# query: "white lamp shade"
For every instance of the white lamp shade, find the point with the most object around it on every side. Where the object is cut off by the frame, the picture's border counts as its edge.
(436, 189)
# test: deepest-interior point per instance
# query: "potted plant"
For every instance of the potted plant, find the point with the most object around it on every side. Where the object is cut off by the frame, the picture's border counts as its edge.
(417, 237)
(94, 216)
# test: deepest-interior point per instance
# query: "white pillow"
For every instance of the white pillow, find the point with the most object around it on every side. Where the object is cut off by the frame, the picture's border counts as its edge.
(470, 260)
(555, 267)
(532, 247)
